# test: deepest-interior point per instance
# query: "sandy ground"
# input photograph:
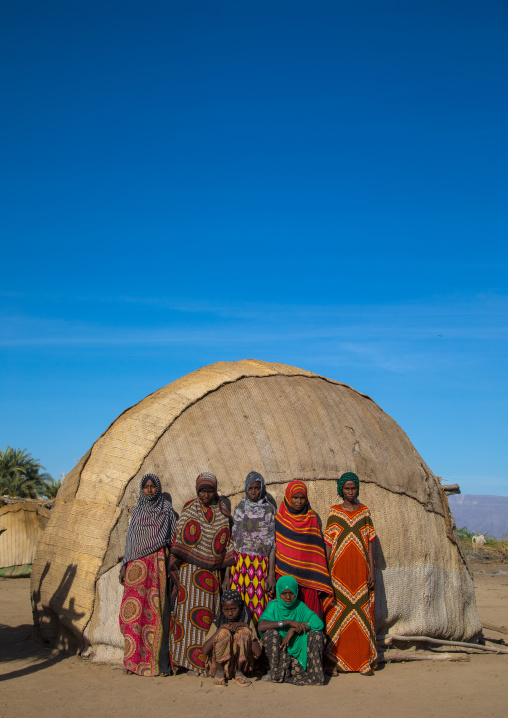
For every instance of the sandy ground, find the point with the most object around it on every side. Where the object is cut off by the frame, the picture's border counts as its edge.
(37, 683)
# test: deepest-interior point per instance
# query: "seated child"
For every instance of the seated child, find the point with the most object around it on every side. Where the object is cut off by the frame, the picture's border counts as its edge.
(292, 637)
(231, 644)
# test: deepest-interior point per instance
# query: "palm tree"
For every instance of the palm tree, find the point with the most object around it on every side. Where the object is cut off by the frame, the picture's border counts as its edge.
(50, 486)
(20, 474)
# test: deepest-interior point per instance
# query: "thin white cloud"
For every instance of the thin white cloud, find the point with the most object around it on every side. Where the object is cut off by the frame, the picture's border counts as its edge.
(401, 338)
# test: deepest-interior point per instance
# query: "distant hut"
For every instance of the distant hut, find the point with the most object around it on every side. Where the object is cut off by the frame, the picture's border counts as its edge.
(232, 418)
(21, 527)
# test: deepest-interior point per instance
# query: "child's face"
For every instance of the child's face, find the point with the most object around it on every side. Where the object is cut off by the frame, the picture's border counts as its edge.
(231, 610)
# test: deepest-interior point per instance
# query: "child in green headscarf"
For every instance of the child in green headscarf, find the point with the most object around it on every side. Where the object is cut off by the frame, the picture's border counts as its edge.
(292, 637)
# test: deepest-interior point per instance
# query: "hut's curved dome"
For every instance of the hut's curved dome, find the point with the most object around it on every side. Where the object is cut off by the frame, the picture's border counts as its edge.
(232, 418)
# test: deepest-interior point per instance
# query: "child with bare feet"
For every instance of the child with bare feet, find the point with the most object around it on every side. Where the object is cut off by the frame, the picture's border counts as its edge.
(231, 643)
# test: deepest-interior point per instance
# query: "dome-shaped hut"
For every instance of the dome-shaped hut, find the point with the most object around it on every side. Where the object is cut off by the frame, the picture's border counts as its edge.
(232, 418)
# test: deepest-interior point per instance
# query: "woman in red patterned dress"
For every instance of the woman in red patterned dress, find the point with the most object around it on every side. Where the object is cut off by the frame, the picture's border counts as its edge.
(201, 550)
(145, 612)
(349, 540)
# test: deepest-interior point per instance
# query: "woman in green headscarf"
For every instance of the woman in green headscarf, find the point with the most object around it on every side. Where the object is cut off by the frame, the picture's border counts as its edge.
(293, 638)
(349, 542)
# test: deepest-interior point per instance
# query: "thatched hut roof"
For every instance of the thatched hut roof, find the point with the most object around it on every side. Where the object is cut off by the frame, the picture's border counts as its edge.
(231, 418)
(21, 526)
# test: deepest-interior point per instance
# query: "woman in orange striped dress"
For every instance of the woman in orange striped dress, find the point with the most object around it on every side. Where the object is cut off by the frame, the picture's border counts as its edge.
(349, 619)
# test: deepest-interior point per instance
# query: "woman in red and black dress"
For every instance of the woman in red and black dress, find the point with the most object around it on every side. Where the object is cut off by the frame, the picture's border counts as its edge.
(300, 550)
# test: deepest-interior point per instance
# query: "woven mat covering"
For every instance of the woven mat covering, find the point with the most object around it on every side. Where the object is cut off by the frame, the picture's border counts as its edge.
(232, 418)
(21, 527)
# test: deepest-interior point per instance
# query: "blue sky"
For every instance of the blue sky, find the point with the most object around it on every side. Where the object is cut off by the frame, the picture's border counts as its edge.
(321, 184)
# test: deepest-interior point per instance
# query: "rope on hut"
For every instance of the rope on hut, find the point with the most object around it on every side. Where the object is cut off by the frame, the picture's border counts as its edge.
(388, 640)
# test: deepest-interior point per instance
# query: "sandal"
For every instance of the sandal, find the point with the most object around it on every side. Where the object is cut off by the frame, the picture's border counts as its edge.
(220, 682)
(243, 681)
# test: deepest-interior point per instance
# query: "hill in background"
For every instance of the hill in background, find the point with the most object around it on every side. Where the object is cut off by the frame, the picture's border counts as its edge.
(481, 513)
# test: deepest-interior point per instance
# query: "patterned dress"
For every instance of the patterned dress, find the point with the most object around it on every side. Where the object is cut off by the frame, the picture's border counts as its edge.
(202, 547)
(253, 541)
(145, 609)
(197, 604)
(286, 669)
(233, 650)
(144, 616)
(350, 617)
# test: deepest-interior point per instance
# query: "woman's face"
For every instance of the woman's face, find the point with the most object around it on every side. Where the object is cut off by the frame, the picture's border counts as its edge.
(287, 596)
(206, 495)
(350, 491)
(231, 610)
(149, 489)
(298, 500)
(254, 492)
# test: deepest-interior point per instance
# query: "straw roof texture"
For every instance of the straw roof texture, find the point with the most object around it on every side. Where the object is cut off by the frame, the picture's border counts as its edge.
(232, 418)
(21, 527)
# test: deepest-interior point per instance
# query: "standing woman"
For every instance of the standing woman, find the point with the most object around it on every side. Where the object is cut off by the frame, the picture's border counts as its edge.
(145, 611)
(300, 550)
(253, 573)
(201, 550)
(350, 618)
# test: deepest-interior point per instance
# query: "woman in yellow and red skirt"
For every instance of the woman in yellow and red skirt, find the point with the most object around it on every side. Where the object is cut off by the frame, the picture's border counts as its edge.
(253, 572)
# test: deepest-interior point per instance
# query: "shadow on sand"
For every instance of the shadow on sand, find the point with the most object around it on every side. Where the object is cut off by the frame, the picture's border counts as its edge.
(23, 643)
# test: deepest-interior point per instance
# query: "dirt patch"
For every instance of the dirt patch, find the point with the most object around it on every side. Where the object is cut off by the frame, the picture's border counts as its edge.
(38, 683)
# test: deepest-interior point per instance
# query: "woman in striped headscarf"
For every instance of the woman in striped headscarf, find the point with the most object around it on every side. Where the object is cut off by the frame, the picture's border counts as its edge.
(145, 610)
(300, 550)
(201, 550)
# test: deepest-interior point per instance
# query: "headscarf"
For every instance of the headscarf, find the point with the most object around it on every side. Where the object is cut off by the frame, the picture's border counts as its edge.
(254, 522)
(152, 524)
(287, 583)
(202, 535)
(278, 610)
(300, 550)
(236, 597)
(348, 476)
(206, 480)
